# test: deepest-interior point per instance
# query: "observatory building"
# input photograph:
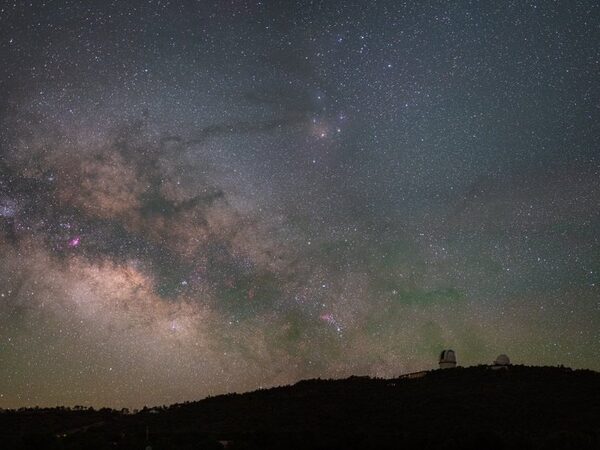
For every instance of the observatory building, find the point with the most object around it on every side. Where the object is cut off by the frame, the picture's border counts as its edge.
(501, 362)
(447, 359)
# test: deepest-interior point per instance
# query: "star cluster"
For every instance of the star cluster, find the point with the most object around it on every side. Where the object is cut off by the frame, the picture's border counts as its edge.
(204, 197)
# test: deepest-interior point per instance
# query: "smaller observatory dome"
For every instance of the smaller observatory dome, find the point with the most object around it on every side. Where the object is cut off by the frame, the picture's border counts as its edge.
(447, 359)
(502, 360)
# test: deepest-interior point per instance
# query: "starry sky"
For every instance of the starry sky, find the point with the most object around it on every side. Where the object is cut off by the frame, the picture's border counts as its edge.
(200, 197)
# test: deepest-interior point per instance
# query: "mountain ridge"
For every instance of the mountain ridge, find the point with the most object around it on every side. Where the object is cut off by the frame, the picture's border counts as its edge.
(516, 407)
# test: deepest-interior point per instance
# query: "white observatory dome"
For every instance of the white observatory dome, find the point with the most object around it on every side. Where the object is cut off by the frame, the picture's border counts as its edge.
(502, 360)
(447, 359)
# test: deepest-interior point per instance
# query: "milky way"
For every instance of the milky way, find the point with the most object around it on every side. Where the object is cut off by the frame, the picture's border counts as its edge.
(206, 197)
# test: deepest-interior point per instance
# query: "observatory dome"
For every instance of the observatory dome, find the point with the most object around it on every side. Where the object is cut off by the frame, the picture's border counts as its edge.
(502, 360)
(447, 359)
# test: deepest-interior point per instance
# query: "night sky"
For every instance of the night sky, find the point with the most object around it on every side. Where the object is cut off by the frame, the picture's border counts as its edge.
(203, 197)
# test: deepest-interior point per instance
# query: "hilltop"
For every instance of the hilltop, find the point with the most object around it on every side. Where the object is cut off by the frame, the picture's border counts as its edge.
(521, 407)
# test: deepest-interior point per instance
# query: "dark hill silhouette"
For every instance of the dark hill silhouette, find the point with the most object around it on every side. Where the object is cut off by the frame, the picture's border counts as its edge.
(478, 408)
